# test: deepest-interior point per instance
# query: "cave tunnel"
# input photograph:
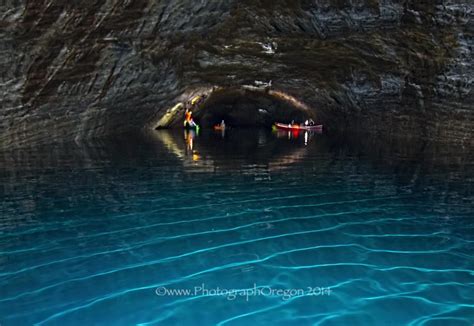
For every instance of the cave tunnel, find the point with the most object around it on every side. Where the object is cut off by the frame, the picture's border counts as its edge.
(247, 108)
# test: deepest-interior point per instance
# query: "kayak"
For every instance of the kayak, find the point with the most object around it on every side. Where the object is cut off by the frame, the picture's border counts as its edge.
(287, 127)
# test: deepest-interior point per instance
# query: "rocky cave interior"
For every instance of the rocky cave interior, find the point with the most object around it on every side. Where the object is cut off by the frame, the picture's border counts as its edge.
(74, 71)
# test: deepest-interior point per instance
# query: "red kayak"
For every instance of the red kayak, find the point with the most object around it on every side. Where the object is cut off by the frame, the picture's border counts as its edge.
(288, 127)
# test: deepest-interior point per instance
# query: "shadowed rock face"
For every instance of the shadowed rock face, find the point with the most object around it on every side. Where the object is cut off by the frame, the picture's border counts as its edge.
(75, 69)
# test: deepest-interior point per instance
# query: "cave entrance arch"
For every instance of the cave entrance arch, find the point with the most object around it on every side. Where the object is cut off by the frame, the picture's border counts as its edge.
(247, 108)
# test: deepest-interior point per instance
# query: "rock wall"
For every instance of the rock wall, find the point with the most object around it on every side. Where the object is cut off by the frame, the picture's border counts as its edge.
(74, 69)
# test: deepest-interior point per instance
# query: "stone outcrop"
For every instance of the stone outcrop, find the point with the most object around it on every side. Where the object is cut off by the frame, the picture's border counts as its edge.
(72, 69)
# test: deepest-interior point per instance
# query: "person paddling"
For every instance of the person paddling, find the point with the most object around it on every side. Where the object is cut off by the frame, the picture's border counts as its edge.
(188, 119)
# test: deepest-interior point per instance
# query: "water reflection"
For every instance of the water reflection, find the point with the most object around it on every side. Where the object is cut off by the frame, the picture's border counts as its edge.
(232, 149)
(297, 134)
(222, 150)
(257, 154)
(189, 136)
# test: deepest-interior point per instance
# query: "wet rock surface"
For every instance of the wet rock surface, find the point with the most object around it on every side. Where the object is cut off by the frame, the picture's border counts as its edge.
(73, 70)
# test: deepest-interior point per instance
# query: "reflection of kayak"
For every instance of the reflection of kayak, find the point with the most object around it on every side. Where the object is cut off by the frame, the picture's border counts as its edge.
(283, 126)
(219, 127)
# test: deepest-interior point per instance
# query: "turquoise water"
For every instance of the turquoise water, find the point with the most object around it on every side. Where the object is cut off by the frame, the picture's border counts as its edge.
(246, 227)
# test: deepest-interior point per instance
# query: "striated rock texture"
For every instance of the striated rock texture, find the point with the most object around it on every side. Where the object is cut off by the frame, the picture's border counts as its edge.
(78, 69)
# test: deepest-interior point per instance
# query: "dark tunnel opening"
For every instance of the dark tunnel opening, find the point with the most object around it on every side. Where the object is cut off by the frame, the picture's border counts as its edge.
(247, 108)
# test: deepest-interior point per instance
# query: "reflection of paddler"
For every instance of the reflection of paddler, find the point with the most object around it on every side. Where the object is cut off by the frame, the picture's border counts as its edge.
(189, 136)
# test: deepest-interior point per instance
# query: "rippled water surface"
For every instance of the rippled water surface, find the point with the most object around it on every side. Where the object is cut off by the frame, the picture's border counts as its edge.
(247, 227)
